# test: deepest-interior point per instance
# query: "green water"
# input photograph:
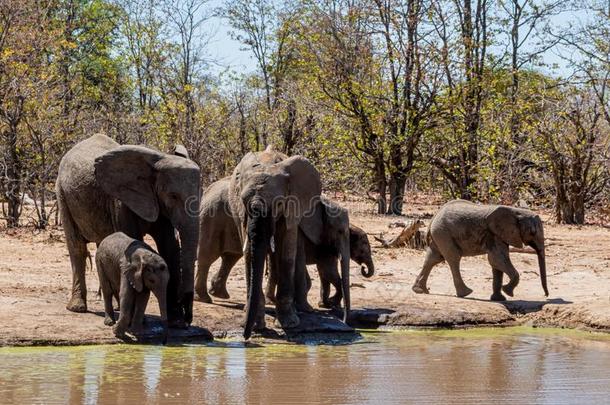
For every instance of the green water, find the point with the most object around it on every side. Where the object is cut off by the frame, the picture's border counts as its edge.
(516, 365)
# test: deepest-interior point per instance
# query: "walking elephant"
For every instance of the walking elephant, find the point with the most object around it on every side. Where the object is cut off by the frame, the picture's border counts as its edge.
(103, 187)
(461, 228)
(272, 197)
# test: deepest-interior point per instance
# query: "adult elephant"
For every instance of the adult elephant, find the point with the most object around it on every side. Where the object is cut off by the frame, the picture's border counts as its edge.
(272, 197)
(461, 228)
(219, 237)
(103, 187)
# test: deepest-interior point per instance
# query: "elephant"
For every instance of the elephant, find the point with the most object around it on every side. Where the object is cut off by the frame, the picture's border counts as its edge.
(272, 197)
(219, 237)
(462, 228)
(337, 233)
(129, 270)
(324, 257)
(103, 187)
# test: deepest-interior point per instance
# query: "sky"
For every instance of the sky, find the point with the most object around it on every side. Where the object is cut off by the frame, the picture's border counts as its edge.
(226, 52)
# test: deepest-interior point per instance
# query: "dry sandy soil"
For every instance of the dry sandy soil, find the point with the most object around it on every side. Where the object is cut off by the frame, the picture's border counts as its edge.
(35, 284)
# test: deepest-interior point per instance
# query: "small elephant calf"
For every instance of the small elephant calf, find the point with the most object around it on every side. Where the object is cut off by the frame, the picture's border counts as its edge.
(129, 270)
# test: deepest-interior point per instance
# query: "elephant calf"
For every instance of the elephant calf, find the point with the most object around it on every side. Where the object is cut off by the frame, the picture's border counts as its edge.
(461, 228)
(129, 270)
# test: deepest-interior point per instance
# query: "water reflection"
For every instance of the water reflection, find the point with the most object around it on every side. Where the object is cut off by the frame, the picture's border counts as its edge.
(396, 367)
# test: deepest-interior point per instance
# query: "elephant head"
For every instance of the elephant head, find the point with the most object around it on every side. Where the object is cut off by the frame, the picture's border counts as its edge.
(517, 227)
(360, 251)
(270, 194)
(150, 184)
(148, 270)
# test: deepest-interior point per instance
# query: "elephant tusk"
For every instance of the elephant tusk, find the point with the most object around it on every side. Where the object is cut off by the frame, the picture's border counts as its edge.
(245, 244)
(272, 244)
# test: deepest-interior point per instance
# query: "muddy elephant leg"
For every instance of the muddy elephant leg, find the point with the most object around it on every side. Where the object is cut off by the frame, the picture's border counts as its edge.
(433, 257)
(218, 287)
(169, 249)
(285, 309)
(499, 259)
(497, 286)
(137, 320)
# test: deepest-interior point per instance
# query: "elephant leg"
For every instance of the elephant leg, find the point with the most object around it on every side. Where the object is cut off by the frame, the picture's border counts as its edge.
(109, 319)
(218, 287)
(497, 286)
(165, 238)
(137, 319)
(272, 279)
(324, 290)
(461, 290)
(285, 308)
(302, 279)
(433, 257)
(201, 278)
(77, 249)
(499, 259)
(127, 295)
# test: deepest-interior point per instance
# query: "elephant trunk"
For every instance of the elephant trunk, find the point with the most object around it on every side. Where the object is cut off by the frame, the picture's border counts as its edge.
(542, 265)
(161, 294)
(370, 268)
(345, 258)
(189, 238)
(259, 234)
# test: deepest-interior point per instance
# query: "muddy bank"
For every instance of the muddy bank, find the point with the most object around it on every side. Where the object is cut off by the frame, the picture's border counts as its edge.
(35, 285)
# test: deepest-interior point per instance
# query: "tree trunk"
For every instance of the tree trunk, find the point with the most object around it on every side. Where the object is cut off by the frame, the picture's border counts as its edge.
(397, 192)
(13, 174)
(381, 184)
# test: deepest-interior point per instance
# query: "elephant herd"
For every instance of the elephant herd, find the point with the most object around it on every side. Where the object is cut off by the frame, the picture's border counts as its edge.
(270, 211)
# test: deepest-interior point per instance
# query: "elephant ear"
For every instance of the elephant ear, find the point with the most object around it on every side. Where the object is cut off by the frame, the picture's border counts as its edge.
(504, 223)
(180, 150)
(127, 173)
(304, 184)
(133, 272)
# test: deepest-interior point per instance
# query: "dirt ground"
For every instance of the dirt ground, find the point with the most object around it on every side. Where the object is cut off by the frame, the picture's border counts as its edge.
(35, 285)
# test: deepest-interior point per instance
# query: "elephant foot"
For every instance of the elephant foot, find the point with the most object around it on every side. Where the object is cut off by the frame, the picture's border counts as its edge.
(77, 304)
(324, 304)
(497, 296)
(137, 329)
(118, 331)
(177, 324)
(202, 297)
(463, 292)
(270, 298)
(108, 321)
(287, 319)
(509, 289)
(304, 307)
(418, 289)
(219, 291)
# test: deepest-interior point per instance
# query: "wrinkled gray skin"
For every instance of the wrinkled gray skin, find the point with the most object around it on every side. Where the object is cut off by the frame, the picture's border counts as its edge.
(103, 187)
(324, 257)
(271, 196)
(461, 228)
(129, 270)
(219, 237)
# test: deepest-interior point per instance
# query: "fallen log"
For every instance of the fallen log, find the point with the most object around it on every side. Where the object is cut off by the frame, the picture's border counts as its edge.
(401, 240)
